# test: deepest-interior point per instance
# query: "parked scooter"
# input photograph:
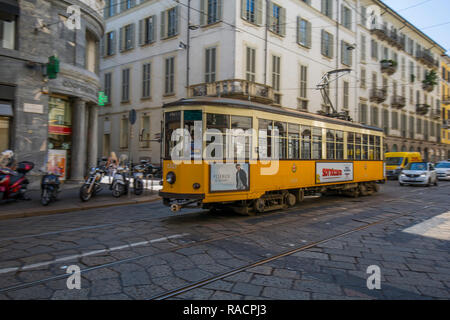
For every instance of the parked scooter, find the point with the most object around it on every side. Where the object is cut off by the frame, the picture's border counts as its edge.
(49, 188)
(138, 176)
(13, 183)
(92, 185)
(120, 183)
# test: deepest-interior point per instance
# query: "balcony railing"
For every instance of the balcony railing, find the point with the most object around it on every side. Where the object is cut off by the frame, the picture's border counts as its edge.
(378, 95)
(436, 114)
(446, 124)
(427, 58)
(398, 102)
(446, 99)
(380, 31)
(388, 66)
(422, 109)
(239, 89)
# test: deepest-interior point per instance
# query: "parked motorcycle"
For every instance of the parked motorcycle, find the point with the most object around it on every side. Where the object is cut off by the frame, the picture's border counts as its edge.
(92, 185)
(138, 176)
(13, 183)
(49, 188)
(120, 183)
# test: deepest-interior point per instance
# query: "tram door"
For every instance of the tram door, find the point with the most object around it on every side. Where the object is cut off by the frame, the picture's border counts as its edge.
(193, 123)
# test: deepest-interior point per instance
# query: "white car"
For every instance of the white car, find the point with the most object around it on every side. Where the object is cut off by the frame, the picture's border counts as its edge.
(418, 173)
(443, 170)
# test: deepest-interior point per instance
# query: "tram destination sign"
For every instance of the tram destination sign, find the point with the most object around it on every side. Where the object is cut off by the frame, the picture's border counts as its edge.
(334, 172)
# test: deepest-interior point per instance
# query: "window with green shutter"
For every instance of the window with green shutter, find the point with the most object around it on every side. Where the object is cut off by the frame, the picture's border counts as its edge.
(327, 44)
(303, 32)
(252, 11)
(210, 11)
(277, 16)
(169, 23)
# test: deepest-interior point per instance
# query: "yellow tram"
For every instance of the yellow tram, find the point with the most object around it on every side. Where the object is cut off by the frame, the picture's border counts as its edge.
(283, 155)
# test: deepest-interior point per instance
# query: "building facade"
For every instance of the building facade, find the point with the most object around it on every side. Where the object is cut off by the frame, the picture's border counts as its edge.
(274, 52)
(44, 119)
(445, 89)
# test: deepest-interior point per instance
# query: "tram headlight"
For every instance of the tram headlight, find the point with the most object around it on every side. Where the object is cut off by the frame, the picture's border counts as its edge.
(196, 185)
(170, 177)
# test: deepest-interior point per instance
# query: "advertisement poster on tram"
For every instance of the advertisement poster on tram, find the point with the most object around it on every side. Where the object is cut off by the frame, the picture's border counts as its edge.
(229, 177)
(56, 164)
(334, 172)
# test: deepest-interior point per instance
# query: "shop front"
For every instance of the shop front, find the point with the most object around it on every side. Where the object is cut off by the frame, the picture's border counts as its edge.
(59, 136)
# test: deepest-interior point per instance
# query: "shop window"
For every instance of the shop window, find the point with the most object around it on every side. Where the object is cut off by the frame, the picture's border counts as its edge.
(7, 34)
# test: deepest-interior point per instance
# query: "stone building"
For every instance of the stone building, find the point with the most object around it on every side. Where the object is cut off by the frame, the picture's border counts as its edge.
(278, 51)
(43, 120)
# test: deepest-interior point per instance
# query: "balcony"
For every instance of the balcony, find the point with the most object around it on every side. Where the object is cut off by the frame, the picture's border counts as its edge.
(388, 66)
(422, 109)
(427, 59)
(398, 102)
(238, 89)
(380, 31)
(378, 95)
(446, 124)
(446, 100)
(436, 114)
(394, 39)
(427, 87)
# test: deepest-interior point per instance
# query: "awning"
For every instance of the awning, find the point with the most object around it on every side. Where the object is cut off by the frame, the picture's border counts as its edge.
(6, 110)
(9, 9)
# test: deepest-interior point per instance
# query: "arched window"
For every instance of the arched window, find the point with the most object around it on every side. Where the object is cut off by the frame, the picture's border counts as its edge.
(394, 148)
(403, 148)
(411, 149)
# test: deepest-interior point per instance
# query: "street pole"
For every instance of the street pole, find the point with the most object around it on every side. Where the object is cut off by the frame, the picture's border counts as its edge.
(188, 47)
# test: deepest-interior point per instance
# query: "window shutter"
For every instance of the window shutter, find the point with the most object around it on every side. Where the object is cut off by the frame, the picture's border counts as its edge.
(342, 52)
(154, 24)
(298, 29)
(141, 31)
(243, 9)
(102, 46)
(350, 57)
(322, 42)
(163, 25)
(270, 14)
(323, 7)
(259, 12)
(220, 10)
(113, 4)
(114, 42)
(308, 34)
(121, 39)
(283, 21)
(177, 19)
(133, 35)
(342, 15)
(203, 12)
(331, 46)
(133, 3)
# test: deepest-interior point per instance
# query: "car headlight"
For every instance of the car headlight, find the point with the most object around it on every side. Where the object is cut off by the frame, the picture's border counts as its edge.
(402, 175)
(170, 177)
(423, 175)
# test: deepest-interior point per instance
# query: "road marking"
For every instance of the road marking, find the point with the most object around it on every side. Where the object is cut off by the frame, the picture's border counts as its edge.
(437, 227)
(89, 253)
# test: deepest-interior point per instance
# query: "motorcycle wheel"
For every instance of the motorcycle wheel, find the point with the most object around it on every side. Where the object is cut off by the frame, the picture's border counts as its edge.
(45, 197)
(84, 194)
(117, 190)
(138, 187)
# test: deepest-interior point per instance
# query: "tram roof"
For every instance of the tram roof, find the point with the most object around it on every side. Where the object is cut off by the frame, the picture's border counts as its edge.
(235, 103)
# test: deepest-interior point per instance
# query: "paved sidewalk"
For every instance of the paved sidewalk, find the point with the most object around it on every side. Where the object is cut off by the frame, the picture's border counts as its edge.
(69, 200)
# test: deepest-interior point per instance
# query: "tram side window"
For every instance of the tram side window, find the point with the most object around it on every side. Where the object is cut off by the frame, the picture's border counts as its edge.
(317, 143)
(377, 148)
(340, 145)
(293, 141)
(281, 126)
(331, 144)
(365, 147)
(350, 146)
(306, 142)
(265, 142)
(193, 121)
(371, 147)
(358, 140)
(219, 122)
(241, 143)
(172, 122)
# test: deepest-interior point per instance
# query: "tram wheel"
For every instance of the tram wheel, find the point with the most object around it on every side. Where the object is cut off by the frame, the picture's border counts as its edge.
(290, 200)
(259, 205)
(363, 190)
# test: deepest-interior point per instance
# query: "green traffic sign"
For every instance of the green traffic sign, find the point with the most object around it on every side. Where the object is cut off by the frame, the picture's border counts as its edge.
(102, 98)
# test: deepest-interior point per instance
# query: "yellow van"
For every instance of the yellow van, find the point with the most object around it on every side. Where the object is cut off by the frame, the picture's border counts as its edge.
(397, 161)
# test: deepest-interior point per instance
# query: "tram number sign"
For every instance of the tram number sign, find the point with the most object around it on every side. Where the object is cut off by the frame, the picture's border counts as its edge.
(327, 172)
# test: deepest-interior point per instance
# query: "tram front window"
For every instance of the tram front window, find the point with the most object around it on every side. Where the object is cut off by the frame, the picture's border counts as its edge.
(172, 122)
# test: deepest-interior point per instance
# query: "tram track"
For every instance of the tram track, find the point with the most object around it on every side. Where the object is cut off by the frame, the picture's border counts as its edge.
(206, 241)
(201, 283)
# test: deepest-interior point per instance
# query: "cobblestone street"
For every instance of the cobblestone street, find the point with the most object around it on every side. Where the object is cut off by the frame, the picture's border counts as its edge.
(320, 249)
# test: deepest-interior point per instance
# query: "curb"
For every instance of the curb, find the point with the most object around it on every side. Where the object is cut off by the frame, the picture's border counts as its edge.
(49, 211)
